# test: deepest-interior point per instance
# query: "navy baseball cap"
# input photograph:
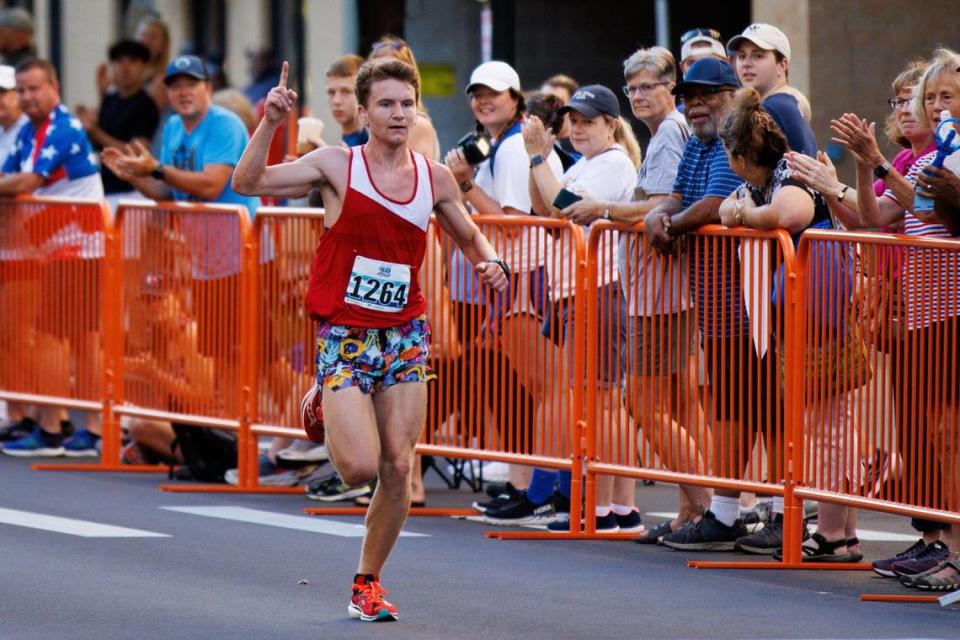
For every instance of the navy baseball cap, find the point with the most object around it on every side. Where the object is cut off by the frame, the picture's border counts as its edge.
(592, 100)
(186, 66)
(708, 72)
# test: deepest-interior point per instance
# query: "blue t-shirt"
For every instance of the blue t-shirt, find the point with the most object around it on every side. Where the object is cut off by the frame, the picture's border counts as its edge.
(785, 111)
(60, 152)
(220, 138)
(703, 172)
(357, 138)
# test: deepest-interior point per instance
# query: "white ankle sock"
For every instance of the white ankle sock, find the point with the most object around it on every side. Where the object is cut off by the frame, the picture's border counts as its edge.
(777, 505)
(725, 509)
(603, 511)
(621, 510)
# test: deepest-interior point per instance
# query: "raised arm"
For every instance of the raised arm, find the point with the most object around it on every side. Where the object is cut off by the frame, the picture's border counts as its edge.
(457, 223)
(253, 177)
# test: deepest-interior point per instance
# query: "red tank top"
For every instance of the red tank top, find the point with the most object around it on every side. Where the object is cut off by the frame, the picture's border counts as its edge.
(365, 269)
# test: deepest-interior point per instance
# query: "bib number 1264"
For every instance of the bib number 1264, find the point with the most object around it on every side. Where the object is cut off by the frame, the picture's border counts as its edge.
(379, 286)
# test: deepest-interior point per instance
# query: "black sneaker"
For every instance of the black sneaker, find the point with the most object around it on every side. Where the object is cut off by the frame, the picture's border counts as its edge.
(885, 567)
(765, 540)
(630, 523)
(508, 495)
(709, 534)
(604, 524)
(333, 489)
(561, 502)
(16, 430)
(522, 511)
(495, 489)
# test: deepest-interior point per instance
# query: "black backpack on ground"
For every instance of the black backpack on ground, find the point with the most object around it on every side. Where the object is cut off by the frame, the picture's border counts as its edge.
(207, 453)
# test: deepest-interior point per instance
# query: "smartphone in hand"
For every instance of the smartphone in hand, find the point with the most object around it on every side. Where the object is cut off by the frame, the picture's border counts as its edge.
(565, 198)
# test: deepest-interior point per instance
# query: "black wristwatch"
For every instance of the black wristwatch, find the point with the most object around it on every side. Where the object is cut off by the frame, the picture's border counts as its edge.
(882, 171)
(500, 263)
(157, 173)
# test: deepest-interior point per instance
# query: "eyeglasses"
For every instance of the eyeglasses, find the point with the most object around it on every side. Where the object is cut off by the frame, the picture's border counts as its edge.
(694, 33)
(899, 103)
(643, 88)
(703, 94)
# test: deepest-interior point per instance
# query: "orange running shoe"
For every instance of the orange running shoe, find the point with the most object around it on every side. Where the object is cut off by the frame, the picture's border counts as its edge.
(367, 603)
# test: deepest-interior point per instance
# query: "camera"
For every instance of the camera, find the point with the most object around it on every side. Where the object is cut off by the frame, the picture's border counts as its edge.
(475, 147)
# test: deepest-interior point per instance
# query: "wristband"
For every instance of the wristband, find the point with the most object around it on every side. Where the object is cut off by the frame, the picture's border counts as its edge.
(606, 211)
(500, 263)
(157, 173)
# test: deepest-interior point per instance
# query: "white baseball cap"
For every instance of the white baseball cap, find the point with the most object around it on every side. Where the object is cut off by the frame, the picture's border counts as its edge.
(497, 75)
(700, 47)
(765, 36)
(8, 78)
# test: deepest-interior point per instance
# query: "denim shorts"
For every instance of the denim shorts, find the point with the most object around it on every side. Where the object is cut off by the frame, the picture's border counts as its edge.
(373, 359)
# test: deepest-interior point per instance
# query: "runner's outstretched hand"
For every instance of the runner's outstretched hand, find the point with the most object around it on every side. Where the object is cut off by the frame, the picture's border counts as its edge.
(280, 101)
(492, 275)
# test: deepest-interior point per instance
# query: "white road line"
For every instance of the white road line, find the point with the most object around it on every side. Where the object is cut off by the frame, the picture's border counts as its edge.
(72, 527)
(864, 534)
(312, 524)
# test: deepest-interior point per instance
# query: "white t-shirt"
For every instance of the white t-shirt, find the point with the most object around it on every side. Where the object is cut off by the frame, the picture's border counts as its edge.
(607, 176)
(507, 180)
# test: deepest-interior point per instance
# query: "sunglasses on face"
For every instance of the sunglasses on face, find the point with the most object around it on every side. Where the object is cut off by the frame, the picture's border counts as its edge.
(699, 33)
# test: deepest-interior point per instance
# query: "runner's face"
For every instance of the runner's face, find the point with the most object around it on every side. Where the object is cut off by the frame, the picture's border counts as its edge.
(38, 96)
(342, 96)
(493, 109)
(391, 111)
(758, 68)
(189, 97)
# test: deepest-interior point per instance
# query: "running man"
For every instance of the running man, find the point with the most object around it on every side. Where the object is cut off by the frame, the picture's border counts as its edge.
(372, 333)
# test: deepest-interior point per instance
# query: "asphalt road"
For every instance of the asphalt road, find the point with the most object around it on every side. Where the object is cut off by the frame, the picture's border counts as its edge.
(210, 577)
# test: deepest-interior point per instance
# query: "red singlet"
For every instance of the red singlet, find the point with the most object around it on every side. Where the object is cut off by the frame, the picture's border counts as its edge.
(365, 269)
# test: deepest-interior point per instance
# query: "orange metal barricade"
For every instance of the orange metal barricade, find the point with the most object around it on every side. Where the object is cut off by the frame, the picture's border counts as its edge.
(185, 314)
(54, 275)
(879, 335)
(685, 361)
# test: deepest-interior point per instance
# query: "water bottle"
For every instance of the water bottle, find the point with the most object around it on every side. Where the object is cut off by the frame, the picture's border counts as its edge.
(944, 136)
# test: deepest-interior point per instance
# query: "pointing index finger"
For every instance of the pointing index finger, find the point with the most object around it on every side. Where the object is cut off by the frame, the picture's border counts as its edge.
(284, 72)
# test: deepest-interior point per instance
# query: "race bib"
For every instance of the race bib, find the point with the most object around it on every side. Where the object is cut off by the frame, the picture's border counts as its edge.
(378, 286)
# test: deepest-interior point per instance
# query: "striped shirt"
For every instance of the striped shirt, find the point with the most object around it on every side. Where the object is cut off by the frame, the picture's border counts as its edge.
(705, 172)
(930, 279)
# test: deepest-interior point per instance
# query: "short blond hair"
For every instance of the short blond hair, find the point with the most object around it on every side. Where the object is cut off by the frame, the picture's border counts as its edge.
(944, 62)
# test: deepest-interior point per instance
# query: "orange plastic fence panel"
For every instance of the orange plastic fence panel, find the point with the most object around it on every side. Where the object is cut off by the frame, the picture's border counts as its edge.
(53, 289)
(184, 271)
(881, 395)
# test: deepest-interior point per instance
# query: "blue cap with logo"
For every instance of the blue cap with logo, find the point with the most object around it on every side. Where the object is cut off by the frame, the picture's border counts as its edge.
(708, 72)
(186, 66)
(592, 100)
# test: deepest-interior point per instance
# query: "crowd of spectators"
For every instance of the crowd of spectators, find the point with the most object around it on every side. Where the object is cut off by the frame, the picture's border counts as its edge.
(731, 144)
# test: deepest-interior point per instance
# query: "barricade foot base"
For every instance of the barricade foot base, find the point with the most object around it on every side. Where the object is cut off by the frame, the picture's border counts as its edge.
(226, 488)
(103, 468)
(781, 566)
(883, 597)
(550, 535)
(436, 512)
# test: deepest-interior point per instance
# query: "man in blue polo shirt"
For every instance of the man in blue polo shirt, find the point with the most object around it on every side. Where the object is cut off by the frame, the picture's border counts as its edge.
(704, 179)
